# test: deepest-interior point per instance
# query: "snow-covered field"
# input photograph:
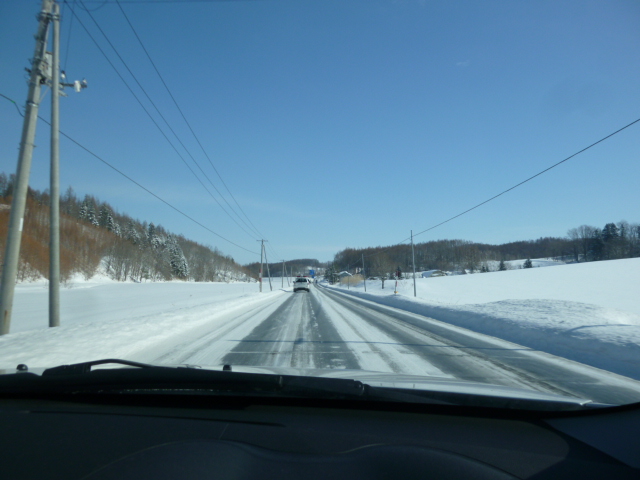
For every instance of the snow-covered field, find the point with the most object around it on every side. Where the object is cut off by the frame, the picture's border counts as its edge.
(101, 318)
(589, 312)
(586, 312)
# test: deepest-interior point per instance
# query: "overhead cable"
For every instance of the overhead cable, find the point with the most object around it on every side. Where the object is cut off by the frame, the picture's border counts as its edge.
(251, 226)
(133, 181)
(528, 179)
(150, 192)
(153, 120)
(508, 189)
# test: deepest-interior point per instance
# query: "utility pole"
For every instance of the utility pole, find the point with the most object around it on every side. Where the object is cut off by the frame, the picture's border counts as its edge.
(413, 262)
(282, 275)
(54, 211)
(54, 187)
(363, 274)
(268, 272)
(18, 204)
(261, 254)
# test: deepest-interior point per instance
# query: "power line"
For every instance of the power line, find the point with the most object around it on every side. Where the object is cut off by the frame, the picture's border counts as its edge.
(152, 119)
(190, 128)
(529, 179)
(132, 180)
(14, 103)
(171, 1)
(151, 193)
(66, 54)
(102, 4)
(508, 189)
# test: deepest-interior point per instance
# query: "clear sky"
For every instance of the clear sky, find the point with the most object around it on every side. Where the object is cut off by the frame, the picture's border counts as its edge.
(345, 123)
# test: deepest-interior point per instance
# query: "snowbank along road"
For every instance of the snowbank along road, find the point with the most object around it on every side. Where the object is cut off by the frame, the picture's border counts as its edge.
(326, 329)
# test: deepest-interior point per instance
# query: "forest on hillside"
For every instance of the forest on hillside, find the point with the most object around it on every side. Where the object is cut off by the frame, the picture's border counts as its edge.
(93, 237)
(582, 244)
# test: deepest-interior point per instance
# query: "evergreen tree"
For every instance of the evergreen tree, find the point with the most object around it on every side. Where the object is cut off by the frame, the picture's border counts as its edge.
(113, 226)
(152, 237)
(610, 232)
(179, 266)
(103, 216)
(4, 182)
(84, 211)
(91, 214)
(502, 267)
(527, 263)
(596, 245)
(110, 224)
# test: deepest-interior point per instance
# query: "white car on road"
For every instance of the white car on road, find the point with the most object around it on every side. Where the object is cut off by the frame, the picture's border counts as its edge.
(302, 283)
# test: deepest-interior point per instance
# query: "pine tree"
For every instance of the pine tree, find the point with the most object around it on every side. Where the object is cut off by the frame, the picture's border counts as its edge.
(103, 216)
(502, 267)
(84, 210)
(113, 226)
(4, 182)
(610, 232)
(527, 263)
(110, 223)
(179, 265)
(91, 214)
(596, 245)
(152, 237)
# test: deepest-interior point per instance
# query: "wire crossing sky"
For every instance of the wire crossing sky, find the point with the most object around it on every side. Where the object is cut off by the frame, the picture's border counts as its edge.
(343, 124)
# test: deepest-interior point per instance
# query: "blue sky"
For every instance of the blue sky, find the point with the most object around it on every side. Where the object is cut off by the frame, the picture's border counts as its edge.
(346, 123)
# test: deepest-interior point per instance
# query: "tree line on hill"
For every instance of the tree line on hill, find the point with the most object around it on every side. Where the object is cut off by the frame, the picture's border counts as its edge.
(92, 235)
(582, 244)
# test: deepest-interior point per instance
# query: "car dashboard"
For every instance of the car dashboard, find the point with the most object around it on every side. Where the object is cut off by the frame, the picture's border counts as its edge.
(145, 436)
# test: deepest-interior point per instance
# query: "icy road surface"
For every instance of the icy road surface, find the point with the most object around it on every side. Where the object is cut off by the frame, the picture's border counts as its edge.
(326, 329)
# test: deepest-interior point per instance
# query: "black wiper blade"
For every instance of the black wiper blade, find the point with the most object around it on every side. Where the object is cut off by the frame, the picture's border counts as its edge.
(151, 379)
(85, 367)
(79, 379)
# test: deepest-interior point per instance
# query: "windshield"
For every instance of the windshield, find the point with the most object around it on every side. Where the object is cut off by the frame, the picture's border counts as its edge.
(465, 175)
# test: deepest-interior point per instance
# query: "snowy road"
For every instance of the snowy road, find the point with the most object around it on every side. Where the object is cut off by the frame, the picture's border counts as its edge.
(324, 329)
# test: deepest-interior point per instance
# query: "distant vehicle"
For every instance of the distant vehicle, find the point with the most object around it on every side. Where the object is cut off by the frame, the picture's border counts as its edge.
(301, 283)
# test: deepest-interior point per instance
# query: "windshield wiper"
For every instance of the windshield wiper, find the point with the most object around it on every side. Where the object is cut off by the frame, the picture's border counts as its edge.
(80, 378)
(148, 379)
(85, 367)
